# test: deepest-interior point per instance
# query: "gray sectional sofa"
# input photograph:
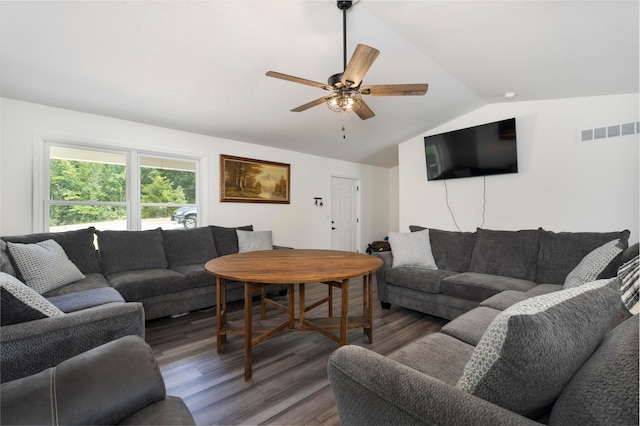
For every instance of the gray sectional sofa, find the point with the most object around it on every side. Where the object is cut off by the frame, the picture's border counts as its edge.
(116, 383)
(133, 277)
(567, 357)
(473, 266)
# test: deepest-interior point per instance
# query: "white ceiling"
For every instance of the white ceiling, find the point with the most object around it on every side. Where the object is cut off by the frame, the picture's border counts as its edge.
(199, 65)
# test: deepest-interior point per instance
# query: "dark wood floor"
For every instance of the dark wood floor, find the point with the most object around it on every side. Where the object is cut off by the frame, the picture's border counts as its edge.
(289, 384)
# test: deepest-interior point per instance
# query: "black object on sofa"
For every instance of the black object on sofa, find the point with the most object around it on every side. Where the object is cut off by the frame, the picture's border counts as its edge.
(473, 266)
(116, 383)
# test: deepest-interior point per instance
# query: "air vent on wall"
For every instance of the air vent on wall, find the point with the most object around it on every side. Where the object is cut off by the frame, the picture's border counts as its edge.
(612, 131)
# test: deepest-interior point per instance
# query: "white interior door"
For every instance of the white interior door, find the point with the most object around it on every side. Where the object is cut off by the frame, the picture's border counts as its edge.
(344, 214)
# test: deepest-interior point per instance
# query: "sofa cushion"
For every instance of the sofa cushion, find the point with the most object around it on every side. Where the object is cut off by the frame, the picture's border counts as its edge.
(254, 240)
(188, 246)
(478, 287)
(560, 252)
(451, 249)
(605, 389)
(592, 265)
(131, 250)
(5, 260)
(437, 355)
(78, 245)
(629, 276)
(532, 349)
(506, 253)
(196, 276)
(90, 282)
(44, 266)
(504, 299)
(412, 249)
(470, 326)
(21, 303)
(144, 283)
(427, 280)
(226, 239)
(80, 300)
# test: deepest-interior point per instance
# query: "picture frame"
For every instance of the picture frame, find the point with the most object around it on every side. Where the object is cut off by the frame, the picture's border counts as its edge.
(247, 180)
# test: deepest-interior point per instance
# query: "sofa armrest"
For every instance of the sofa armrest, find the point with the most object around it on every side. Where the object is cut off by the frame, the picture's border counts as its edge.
(372, 389)
(30, 347)
(102, 386)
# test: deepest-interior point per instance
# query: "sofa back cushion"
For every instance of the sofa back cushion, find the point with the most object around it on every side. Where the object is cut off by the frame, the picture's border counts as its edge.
(188, 246)
(506, 253)
(451, 249)
(78, 245)
(605, 390)
(561, 252)
(130, 250)
(226, 239)
(532, 349)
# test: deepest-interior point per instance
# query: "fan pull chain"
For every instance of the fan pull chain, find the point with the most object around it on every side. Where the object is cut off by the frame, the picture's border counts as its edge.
(344, 134)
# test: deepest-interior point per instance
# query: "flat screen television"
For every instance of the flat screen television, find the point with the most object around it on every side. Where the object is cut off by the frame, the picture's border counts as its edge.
(487, 149)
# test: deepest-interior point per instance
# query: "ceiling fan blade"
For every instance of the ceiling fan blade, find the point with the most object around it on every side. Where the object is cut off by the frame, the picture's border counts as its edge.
(395, 90)
(297, 80)
(362, 59)
(364, 111)
(312, 104)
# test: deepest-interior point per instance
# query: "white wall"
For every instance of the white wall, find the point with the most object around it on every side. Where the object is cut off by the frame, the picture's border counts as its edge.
(562, 184)
(299, 224)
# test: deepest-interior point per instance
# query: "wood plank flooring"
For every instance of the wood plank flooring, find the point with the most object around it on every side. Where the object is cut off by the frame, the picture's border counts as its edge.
(289, 384)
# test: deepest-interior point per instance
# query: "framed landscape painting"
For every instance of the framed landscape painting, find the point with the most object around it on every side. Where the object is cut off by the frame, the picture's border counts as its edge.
(245, 180)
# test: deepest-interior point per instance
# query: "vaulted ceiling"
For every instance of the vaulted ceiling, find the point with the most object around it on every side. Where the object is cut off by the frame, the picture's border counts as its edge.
(200, 66)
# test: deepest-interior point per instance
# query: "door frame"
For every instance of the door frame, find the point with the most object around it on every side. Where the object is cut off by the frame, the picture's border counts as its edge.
(358, 182)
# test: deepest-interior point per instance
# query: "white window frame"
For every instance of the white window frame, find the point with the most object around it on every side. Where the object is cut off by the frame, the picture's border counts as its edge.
(41, 194)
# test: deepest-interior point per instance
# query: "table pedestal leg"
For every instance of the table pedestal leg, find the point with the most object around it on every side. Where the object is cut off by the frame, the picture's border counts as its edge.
(344, 312)
(221, 312)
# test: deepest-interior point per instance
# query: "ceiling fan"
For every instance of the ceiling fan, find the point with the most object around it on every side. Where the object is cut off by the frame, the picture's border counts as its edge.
(346, 87)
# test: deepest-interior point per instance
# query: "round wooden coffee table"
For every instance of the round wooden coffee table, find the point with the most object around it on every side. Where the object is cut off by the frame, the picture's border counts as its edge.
(292, 267)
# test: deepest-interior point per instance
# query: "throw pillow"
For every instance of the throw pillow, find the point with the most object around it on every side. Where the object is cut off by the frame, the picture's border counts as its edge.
(44, 265)
(593, 264)
(254, 240)
(21, 303)
(412, 249)
(531, 350)
(629, 277)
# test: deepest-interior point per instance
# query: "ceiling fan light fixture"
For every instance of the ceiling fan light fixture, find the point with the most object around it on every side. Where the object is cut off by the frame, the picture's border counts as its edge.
(345, 102)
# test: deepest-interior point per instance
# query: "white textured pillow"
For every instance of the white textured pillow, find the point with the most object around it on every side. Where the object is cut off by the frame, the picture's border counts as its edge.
(254, 240)
(629, 276)
(44, 266)
(412, 249)
(593, 264)
(27, 296)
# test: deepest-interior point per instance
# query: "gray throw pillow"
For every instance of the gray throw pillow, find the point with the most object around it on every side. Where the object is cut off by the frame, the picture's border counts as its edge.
(254, 240)
(21, 303)
(44, 266)
(629, 277)
(593, 264)
(412, 250)
(531, 350)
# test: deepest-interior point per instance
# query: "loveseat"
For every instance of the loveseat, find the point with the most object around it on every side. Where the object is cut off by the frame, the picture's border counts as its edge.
(107, 293)
(567, 357)
(115, 383)
(469, 267)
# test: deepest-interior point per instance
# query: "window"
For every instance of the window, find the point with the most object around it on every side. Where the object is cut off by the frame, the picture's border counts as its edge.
(117, 189)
